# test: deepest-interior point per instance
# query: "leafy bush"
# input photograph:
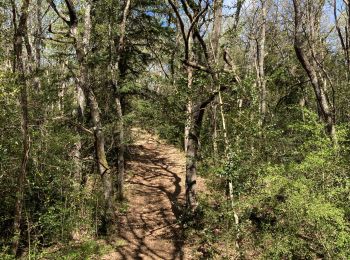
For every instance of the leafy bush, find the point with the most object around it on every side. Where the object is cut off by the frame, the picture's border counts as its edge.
(292, 196)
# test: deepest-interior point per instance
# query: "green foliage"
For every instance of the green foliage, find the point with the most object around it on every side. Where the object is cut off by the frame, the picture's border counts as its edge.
(291, 187)
(291, 196)
(295, 220)
(4, 255)
(86, 250)
(163, 115)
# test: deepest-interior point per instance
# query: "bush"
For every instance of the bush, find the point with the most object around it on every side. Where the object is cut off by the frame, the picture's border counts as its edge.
(292, 197)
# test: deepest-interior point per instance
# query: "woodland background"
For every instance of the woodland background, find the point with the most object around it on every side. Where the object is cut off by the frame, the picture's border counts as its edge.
(256, 92)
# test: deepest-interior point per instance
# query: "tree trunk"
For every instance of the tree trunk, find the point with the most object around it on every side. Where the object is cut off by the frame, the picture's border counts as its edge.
(260, 50)
(344, 35)
(121, 148)
(214, 126)
(81, 47)
(216, 29)
(191, 169)
(118, 68)
(103, 166)
(195, 107)
(191, 141)
(305, 48)
(215, 41)
(18, 67)
(223, 121)
(192, 156)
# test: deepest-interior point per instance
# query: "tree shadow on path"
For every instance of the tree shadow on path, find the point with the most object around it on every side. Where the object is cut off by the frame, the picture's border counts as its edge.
(151, 228)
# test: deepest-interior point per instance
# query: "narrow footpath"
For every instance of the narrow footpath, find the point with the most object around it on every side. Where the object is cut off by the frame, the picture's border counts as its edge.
(149, 228)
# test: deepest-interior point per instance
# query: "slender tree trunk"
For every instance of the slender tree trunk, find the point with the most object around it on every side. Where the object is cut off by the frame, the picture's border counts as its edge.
(344, 35)
(215, 41)
(260, 56)
(191, 169)
(81, 100)
(193, 148)
(215, 130)
(103, 166)
(19, 69)
(214, 59)
(121, 149)
(191, 139)
(38, 43)
(223, 121)
(81, 48)
(118, 68)
(192, 157)
(23, 170)
(305, 48)
(189, 107)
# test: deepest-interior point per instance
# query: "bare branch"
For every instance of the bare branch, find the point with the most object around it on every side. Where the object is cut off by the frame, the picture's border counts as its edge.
(198, 66)
(182, 27)
(54, 7)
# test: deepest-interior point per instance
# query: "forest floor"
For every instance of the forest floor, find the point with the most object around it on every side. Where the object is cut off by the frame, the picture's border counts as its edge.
(149, 228)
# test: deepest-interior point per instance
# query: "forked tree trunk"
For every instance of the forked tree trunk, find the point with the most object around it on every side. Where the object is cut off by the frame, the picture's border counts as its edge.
(195, 107)
(81, 47)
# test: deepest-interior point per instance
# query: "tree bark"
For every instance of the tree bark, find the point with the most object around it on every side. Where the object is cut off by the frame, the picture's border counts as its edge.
(81, 47)
(344, 35)
(189, 105)
(191, 138)
(305, 46)
(195, 107)
(117, 69)
(196, 118)
(215, 41)
(19, 69)
(260, 51)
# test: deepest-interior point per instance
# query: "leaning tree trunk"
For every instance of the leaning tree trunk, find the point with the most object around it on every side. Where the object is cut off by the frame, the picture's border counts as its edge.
(81, 47)
(103, 167)
(192, 149)
(305, 45)
(344, 34)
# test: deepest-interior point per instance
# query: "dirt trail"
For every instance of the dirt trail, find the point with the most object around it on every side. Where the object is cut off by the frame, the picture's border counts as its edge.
(155, 193)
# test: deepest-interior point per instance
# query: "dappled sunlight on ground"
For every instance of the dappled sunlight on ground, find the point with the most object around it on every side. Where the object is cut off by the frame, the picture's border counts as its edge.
(149, 229)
